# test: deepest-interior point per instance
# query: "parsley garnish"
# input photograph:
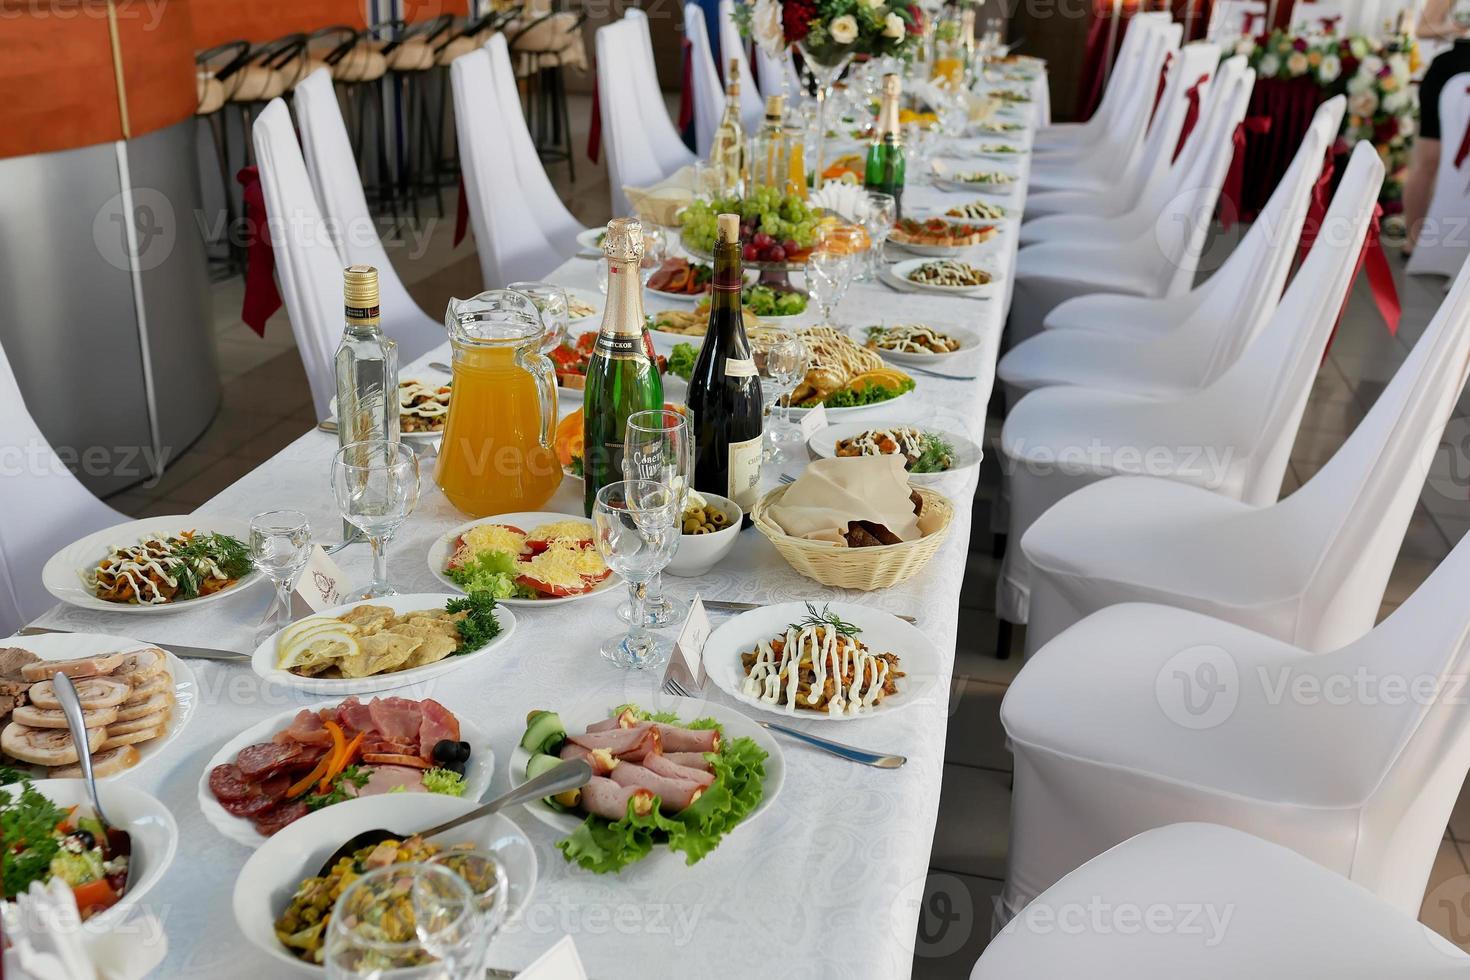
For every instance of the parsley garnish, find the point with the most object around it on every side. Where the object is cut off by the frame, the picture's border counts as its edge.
(337, 792)
(28, 836)
(480, 626)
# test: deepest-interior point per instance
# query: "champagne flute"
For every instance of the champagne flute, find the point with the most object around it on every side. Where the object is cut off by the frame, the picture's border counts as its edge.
(637, 528)
(280, 546)
(658, 446)
(551, 303)
(828, 274)
(376, 483)
(879, 211)
(787, 360)
(421, 918)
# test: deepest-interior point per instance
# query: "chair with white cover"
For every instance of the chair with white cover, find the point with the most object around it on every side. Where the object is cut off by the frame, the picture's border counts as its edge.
(1232, 19)
(1345, 17)
(508, 234)
(1444, 241)
(1145, 715)
(1208, 902)
(777, 75)
(709, 94)
(43, 508)
(1097, 165)
(1163, 346)
(307, 264)
(1310, 569)
(732, 48)
(1120, 91)
(1154, 249)
(338, 187)
(1233, 436)
(1049, 213)
(662, 135)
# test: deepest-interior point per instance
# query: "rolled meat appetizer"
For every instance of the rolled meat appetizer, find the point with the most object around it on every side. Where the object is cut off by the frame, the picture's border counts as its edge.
(601, 760)
(675, 794)
(605, 798)
(630, 744)
(674, 739)
(664, 767)
(690, 760)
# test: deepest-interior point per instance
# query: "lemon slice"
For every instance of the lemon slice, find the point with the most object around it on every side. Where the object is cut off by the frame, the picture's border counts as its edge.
(318, 647)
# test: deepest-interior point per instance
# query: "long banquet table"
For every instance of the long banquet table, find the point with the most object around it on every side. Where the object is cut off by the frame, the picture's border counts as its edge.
(826, 883)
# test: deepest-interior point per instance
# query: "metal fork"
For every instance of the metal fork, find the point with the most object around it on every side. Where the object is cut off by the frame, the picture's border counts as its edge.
(673, 687)
(936, 374)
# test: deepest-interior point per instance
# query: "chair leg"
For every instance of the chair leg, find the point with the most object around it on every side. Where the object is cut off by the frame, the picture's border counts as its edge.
(430, 147)
(566, 124)
(1003, 633)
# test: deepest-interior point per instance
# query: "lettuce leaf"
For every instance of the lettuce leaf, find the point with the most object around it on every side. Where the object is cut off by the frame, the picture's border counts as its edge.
(490, 571)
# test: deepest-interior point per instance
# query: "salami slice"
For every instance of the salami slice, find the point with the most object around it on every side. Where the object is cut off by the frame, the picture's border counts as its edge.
(273, 821)
(251, 806)
(228, 783)
(266, 758)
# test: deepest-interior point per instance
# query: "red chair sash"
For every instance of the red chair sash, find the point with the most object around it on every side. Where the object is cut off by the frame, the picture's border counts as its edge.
(1191, 114)
(262, 298)
(1464, 144)
(1232, 192)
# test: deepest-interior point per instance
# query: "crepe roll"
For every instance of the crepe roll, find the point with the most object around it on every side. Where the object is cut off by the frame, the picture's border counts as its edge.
(674, 794)
(604, 798)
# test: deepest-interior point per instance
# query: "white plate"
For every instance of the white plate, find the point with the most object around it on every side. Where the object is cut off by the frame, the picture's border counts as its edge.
(263, 661)
(823, 444)
(62, 574)
(798, 414)
(881, 631)
(678, 297)
(592, 298)
(988, 152)
(968, 339)
(986, 190)
(413, 436)
(735, 724)
(899, 274)
(441, 550)
(154, 832)
(68, 646)
(940, 213)
(587, 242)
(939, 251)
(273, 873)
(478, 770)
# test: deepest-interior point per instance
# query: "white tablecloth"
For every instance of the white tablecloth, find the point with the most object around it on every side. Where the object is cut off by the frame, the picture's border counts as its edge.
(824, 884)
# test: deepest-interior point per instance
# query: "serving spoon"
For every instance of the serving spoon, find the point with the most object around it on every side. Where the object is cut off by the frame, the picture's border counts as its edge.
(119, 841)
(569, 775)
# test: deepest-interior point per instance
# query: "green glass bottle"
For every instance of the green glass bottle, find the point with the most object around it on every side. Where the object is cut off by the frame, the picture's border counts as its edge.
(885, 169)
(622, 377)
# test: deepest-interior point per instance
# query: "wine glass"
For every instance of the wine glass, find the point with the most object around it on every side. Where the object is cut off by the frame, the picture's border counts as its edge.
(637, 527)
(483, 870)
(280, 546)
(551, 302)
(787, 360)
(878, 212)
(653, 251)
(418, 917)
(953, 109)
(920, 143)
(828, 274)
(658, 446)
(377, 487)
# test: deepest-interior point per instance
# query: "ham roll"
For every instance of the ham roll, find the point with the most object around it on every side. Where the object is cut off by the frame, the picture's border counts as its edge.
(630, 744)
(662, 765)
(690, 760)
(607, 799)
(601, 760)
(675, 739)
(675, 794)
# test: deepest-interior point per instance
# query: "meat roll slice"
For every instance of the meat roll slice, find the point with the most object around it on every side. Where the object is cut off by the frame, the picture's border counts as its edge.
(601, 760)
(630, 744)
(675, 739)
(690, 760)
(604, 798)
(675, 794)
(661, 765)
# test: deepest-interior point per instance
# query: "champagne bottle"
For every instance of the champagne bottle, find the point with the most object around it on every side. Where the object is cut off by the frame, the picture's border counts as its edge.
(727, 149)
(622, 377)
(366, 368)
(885, 166)
(768, 150)
(724, 391)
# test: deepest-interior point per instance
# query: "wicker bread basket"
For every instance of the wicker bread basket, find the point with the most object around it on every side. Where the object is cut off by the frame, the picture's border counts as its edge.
(857, 568)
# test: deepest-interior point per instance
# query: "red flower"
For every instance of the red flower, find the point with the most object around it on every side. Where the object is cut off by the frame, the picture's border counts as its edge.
(916, 20)
(1385, 131)
(1299, 44)
(796, 19)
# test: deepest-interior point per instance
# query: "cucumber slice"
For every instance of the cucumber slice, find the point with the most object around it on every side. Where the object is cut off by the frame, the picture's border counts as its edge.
(540, 763)
(544, 732)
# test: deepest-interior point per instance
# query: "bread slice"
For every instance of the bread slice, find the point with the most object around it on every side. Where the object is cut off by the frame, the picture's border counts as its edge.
(104, 763)
(36, 717)
(81, 667)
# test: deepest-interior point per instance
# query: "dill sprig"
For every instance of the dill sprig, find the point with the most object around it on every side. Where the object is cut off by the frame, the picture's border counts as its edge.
(826, 619)
(935, 455)
(191, 558)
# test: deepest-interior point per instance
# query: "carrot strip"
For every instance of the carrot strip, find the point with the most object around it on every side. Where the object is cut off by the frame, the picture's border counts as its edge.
(339, 761)
(305, 783)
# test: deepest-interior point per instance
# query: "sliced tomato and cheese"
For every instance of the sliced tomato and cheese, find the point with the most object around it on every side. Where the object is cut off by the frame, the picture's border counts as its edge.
(487, 537)
(563, 569)
(575, 533)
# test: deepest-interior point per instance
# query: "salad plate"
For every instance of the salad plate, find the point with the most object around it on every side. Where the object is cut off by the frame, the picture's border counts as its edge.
(445, 545)
(899, 274)
(968, 340)
(962, 451)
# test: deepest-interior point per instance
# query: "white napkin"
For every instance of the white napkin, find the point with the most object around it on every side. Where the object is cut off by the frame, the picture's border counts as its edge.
(49, 941)
(659, 202)
(833, 492)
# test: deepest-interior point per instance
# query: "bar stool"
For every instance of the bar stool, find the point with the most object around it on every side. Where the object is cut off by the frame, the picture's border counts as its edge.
(270, 71)
(465, 38)
(411, 56)
(550, 42)
(356, 62)
(217, 76)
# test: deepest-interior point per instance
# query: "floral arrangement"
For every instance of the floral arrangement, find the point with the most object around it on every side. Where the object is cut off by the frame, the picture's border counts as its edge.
(1374, 75)
(828, 30)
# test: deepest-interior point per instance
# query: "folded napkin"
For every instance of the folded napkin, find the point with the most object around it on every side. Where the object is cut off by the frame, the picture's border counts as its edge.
(46, 939)
(659, 203)
(831, 493)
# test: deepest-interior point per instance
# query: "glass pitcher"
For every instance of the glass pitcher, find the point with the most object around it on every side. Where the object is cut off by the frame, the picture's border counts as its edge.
(497, 455)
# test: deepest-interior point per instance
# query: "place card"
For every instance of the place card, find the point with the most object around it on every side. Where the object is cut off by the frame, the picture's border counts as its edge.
(560, 962)
(686, 666)
(320, 586)
(813, 421)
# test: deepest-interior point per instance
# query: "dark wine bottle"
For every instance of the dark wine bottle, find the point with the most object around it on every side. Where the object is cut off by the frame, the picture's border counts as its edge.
(724, 391)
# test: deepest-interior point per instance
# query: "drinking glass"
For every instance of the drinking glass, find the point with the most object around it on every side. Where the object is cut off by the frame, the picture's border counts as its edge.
(637, 526)
(786, 365)
(953, 110)
(658, 446)
(920, 142)
(377, 487)
(551, 302)
(280, 546)
(653, 251)
(878, 212)
(828, 274)
(484, 871)
(419, 918)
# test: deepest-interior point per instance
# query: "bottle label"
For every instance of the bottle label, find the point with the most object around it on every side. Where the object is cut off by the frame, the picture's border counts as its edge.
(745, 472)
(620, 346)
(361, 312)
(741, 367)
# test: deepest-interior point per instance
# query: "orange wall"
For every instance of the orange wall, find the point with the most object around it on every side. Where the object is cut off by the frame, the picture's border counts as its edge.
(218, 21)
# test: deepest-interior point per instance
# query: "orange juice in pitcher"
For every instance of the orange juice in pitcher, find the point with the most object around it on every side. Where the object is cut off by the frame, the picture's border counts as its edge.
(497, 453)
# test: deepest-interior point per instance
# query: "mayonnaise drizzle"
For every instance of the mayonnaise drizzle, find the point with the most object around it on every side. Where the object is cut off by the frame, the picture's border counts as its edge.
(134, 563)
(774, 678)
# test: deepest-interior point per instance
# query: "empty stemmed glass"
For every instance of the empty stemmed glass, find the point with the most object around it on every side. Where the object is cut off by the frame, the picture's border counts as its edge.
(878, 212)
(377, 486)
(484, 871)
(422, 919)
(551, 302)
(658, 446)
(637, 528)
(280, 546)
(786, 365)
(828, 274)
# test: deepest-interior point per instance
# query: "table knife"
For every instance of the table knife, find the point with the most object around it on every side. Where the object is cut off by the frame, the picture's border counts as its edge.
(875, 759)
(188, 653)
(724, 605)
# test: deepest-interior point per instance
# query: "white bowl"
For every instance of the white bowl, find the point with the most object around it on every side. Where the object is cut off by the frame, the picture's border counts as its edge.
(698, 553)
(153, 829)
(272, 874)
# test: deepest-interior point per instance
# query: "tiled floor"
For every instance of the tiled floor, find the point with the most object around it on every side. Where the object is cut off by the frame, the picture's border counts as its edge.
(968, 859)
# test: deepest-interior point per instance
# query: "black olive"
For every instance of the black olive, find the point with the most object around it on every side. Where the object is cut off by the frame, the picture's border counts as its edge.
(463, 752)
(445, 750)
(85, 838)
(457, 766)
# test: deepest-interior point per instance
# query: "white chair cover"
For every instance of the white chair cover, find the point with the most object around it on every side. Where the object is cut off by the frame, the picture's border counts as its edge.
(1162, 346)
(1225, 906)
(1228, 17)
(1049, 214)
(338, 187)
(508, 233)
(1152, 250)
(43, 508)
(1119, 92)
(1444, 241)
(1233, 436)
(778, 76)
(733, 47)
(1309, 570)
(662, 135)
(1143, 715)
(709, 94)
(1367, 17)
(307, 264)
